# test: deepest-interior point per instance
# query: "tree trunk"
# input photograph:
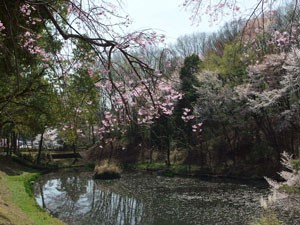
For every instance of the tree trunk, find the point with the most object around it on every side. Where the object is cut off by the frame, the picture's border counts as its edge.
(151, 155)
(74, 148)
(38, 160)
(93, 135)
(8, 147)
(168, 162)
(14, 142)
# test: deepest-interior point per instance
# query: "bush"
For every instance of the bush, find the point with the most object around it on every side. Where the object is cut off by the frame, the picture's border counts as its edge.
(28, 157)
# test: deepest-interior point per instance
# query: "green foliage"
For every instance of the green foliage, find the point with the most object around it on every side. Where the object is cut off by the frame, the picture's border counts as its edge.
(80, 99)
(190, 67)
(296, 164)
(230, 65)
(188, 79)
(212, 62)
(28, 184)
(28, 94)
(289, 189)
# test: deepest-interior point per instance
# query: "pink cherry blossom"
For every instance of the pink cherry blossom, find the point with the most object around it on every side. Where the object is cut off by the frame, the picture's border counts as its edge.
(186, 115)
(2, 27)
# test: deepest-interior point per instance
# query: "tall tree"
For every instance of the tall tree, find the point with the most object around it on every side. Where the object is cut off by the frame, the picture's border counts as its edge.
(184, 118)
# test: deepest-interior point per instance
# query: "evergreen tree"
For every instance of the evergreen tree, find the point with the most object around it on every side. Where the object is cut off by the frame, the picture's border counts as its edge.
(183, 116)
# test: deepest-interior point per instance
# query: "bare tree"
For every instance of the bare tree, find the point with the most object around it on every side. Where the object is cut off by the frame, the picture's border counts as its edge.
(191, 44)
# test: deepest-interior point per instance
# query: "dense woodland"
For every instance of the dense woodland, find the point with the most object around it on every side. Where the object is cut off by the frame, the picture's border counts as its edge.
(226, 101)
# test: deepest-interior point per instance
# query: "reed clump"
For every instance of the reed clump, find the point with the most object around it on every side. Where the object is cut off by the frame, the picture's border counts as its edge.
(107, 170)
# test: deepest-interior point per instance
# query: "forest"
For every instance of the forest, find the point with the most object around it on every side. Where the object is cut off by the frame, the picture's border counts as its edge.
(226, 103)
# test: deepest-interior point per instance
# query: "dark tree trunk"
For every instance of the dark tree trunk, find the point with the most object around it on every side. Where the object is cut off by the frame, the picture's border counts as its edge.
(14, 142)
(8, 147)
(168, 162)
(93, 136)
(38, 160)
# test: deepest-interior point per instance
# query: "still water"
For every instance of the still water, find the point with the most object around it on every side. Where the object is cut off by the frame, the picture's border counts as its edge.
(148, 199)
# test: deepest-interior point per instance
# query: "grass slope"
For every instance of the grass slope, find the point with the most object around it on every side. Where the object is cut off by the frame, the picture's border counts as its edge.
(17, 204)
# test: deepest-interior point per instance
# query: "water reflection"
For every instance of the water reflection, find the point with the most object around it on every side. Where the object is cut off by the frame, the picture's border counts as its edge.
(80, 200)
(143, 199)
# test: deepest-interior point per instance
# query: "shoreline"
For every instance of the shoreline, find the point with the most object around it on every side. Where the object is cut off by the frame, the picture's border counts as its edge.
(17, 202)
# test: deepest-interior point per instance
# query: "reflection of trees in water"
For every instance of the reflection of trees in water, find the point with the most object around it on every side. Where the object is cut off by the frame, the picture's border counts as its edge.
(61, 195)
(74, 186)
(139, 199)
(77, 200)
(113, 208)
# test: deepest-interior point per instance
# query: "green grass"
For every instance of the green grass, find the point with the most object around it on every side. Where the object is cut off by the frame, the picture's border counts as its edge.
(22, 196)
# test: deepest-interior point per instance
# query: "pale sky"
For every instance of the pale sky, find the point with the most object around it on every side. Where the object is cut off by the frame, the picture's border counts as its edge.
(170, 18)
(165, 16)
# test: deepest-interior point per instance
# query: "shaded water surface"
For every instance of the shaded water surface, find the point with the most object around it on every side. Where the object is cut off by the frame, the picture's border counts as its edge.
(145, 199)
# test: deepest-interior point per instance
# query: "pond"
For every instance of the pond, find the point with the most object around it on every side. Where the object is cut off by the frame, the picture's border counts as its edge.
(148, 199)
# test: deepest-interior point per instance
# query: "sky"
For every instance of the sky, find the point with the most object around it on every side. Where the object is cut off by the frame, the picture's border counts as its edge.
(167, 17)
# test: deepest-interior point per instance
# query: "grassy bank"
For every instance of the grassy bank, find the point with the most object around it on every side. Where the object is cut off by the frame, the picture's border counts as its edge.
(17, 203)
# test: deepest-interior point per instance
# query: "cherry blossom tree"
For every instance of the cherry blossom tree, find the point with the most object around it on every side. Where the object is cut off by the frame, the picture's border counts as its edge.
(48, 32)
(217, 10)
(273, 96)
(284, 197)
